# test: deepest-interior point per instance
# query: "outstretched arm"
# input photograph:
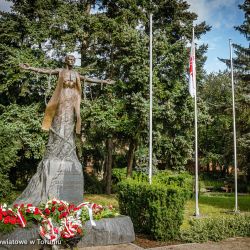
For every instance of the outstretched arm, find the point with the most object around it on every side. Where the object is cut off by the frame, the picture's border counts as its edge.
(92, 80)
(26, 66)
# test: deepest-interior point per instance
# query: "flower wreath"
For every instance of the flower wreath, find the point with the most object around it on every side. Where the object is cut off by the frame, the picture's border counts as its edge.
(58, 219)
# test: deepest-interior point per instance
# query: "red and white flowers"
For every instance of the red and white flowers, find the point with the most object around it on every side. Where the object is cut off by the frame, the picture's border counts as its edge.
(58, 219)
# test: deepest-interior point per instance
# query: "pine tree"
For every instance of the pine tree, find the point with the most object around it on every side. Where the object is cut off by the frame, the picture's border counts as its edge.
(172, 106)
(242, 68)
(114, 40)
(216, 146)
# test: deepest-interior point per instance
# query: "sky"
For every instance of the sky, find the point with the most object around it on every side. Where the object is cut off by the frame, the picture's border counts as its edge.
(222, 15)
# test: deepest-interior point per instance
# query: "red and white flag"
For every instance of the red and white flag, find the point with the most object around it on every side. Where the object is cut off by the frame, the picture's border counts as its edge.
(192, 70)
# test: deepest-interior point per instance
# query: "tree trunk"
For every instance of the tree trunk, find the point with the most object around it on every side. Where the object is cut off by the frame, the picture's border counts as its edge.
(131, 154)
(108, 165)
(86, 7)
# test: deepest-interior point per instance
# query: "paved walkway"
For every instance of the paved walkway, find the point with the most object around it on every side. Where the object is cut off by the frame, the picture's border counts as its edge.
(229, 244)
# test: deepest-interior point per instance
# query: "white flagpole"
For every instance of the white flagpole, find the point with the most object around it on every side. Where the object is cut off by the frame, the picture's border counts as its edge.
(197, 213)
(234, 130)
(150, 97)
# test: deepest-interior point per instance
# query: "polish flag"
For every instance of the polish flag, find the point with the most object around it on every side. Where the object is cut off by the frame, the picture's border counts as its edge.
(192, 70)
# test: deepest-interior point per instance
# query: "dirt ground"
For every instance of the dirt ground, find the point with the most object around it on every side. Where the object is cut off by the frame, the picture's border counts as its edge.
(144, 241)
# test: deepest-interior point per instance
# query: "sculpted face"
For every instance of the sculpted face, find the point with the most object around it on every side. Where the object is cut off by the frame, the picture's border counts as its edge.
(70, 60)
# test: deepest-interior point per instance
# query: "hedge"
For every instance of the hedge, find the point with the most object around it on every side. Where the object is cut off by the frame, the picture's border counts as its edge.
(217, 228)
(155, 209)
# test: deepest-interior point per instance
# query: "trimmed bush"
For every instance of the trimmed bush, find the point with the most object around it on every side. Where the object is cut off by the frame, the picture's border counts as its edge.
(216, 228)
(182, 179)
(155, 209)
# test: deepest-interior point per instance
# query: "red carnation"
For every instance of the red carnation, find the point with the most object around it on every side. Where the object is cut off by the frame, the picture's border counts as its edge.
(18, 221)
(1, 216)
(79, 230)
(4, 213)
(71, 207)
(12, 220)
(10, 212)
(47, 211)
(15, 206)
(37, 211)
(53, 209)
(63, 214)
(61, 208)
(29, 205)
(6, 220)
(52, 237)
(54, 202)
(28, 210)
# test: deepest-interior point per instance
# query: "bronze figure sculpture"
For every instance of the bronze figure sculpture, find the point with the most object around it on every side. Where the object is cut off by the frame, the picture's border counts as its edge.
(59, 174)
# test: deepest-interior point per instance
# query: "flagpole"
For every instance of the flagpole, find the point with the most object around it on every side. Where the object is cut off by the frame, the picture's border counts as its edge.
(234, 129)
(150, 96)
(197, 212)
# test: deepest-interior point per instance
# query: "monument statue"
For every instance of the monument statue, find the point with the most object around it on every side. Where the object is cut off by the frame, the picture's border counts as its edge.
(59, 174)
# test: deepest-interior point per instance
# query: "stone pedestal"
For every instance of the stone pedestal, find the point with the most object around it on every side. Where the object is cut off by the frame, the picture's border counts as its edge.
(55, 178)
(110, 231)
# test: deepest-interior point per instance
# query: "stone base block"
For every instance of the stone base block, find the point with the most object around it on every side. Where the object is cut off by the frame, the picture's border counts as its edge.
(109, 231)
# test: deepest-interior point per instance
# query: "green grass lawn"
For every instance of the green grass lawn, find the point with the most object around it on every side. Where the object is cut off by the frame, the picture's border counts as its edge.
(102, 199)
(210, 205)
(216, 204)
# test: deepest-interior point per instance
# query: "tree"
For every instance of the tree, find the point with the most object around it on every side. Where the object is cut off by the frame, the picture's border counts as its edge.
(113, 42)
(242, 66)
(216, 133)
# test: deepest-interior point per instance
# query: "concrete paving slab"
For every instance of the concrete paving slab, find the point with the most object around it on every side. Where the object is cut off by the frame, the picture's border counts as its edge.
(238, 243)
(129, 246)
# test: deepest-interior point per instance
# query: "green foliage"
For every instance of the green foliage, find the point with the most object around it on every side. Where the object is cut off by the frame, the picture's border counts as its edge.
(112, 46)
(215, 145)
(166, 177)
(6, 228)
(118, 174)
(123, 55)
(170, 178)
(5, 188)
(21, 140)
(214, 181)
(155, 209)
(217, 228)
(92, 185)
(241, 64)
